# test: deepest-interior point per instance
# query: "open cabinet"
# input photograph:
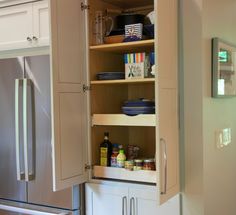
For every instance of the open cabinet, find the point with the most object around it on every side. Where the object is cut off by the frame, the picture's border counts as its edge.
(84, 107)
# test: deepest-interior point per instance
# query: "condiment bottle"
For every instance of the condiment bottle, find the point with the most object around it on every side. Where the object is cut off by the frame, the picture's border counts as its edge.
(121, 159)
(129, 165)
(115, 152)
(105, 151)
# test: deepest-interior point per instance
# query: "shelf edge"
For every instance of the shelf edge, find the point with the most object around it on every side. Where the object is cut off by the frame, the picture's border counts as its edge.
(148, 120)
(146, 176)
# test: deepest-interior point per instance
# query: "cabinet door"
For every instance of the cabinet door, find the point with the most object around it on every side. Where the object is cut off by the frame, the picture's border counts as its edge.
(16, 26)
(143, 201)
(106, 200)
(69, 105)
(40, 23)
(172, 206)
(167, 97)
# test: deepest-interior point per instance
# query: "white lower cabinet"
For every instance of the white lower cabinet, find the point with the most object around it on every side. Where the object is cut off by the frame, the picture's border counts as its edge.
(127, 199)
(106, 200)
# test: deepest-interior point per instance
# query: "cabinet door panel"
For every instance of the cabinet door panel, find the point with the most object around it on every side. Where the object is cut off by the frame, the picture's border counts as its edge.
(143, 201)
(41, 23)
(169, 171)
(71, 131)
(167, 97)
(16, 25)
(68, 31)
(106, 200)
(69, 105)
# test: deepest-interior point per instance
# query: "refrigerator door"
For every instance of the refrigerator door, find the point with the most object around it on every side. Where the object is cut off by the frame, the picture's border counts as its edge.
(40, 186)
(11, 188)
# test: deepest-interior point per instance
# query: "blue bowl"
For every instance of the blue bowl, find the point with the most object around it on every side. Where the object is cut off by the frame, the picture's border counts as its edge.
(148, 30)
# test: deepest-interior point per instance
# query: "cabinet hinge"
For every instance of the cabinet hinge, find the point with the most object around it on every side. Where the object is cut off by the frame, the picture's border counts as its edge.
(86, 88)
(87, 167)
(84, 6)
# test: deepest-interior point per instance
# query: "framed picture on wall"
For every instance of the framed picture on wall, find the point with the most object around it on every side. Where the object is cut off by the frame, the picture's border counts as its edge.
(223, 68)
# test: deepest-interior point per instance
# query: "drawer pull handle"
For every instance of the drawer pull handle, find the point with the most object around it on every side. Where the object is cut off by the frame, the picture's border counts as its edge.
(165, 165)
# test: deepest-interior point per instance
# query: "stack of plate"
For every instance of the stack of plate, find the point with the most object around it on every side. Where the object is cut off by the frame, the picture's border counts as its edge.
(140, 106)
(110, 75)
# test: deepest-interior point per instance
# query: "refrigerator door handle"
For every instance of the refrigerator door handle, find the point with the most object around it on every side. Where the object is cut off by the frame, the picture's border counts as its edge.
(28, 176)
(20, 175)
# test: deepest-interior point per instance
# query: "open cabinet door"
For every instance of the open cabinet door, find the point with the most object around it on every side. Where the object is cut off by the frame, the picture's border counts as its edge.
(167, 97)
(69, 112)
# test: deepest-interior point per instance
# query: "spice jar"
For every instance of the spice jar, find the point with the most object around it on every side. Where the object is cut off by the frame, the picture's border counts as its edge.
(129, 165)
(138, 164)
(149, 164)
(132, 152)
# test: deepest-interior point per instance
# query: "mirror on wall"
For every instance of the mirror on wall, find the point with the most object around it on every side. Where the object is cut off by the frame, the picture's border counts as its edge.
(223, 68)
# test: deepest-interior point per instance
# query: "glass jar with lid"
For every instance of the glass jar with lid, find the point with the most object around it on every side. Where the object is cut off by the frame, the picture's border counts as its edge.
(149, 164)
(138, 164)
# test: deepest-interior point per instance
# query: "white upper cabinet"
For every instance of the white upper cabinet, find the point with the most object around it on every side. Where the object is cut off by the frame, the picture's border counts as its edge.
(40, 23)
(81, 118)
(16, 27)
(24, 26)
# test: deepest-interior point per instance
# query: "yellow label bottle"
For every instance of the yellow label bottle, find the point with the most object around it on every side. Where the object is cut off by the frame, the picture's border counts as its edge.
(105, 151)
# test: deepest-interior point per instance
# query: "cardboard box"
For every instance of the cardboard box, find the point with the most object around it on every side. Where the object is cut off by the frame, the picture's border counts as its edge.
(134, 65)
(134, 30)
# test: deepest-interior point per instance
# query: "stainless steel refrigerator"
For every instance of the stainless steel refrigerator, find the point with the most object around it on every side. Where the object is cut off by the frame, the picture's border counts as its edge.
(25, 141)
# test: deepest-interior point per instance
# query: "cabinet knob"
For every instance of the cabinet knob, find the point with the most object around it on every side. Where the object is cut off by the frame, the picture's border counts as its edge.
(35, 38)
(29, 39)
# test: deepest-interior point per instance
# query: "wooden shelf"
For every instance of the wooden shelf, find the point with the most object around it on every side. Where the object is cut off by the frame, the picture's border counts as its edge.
(124, 81)
(124, 120)
(130, 3)
(123, 174)
(144, 45)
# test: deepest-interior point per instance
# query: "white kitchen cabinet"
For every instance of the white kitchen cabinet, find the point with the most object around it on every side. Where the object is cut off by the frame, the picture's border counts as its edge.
(106, 199)
(24, 26)
(40, 24)
(75, 63)
(143, 201)
(81, 115)
(16, 27)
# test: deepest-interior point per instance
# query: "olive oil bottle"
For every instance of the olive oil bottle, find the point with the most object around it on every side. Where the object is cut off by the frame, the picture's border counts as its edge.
(105, 151)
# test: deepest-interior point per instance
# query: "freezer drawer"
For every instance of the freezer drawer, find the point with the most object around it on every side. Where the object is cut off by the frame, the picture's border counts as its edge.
(15, 208)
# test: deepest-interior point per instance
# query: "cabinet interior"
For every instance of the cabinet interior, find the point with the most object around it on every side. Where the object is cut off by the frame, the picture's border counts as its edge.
(108, 98)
